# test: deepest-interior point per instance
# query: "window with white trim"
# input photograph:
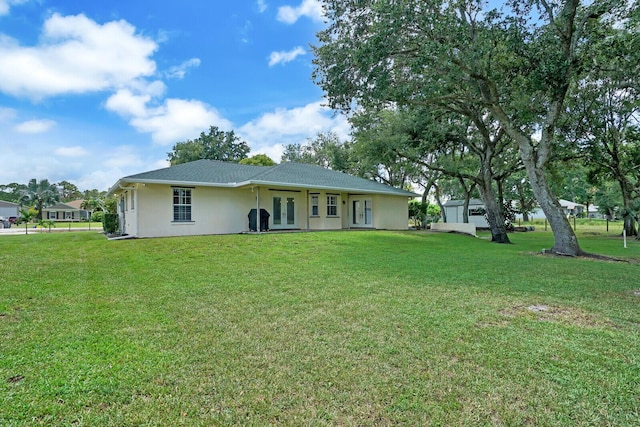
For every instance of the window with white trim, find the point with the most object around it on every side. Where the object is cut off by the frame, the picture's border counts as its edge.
(314, 205)
(332, 205)
(181, 204)
(132, 203)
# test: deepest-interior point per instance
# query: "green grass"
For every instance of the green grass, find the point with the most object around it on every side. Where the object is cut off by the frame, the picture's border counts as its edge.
(59, 226)
(584, 225)
(333, 328)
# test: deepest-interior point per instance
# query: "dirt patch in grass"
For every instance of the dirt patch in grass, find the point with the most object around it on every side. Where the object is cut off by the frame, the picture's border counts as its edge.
(550, 313)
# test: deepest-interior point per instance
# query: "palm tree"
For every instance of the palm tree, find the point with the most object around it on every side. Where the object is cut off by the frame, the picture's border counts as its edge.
(91, 205)
(48, 223)
(40, 195)
(25, 216)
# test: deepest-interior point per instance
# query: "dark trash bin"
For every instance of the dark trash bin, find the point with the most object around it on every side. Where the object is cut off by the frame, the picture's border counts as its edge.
(264, 220)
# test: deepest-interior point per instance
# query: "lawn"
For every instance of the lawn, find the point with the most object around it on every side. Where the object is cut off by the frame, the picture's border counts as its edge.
(328, 328)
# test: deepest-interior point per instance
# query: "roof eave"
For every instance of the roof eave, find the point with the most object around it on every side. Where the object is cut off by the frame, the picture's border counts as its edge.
(124, 181)
(324, 187)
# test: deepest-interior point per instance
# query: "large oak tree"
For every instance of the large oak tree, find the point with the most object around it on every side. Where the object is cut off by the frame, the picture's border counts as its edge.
(516, 63)
(215, 145)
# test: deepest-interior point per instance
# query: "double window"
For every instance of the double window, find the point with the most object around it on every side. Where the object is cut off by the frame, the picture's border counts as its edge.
(332, 205)
(181, 204)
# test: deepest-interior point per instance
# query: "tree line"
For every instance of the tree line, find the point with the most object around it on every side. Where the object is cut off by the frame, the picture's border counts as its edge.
(39, 194)
(482, 95)
(527, 102)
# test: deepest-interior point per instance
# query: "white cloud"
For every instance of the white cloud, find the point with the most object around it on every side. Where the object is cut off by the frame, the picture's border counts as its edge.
(123, 157)
(75, 55)
(262, 6)
(5, 5)
(116, 162)
(245, 32)
(76, 151)
(309, 8)
(270, 132)
(283, 57)
(126, 104)
(7, 114)
(35, 126)
(177, 120)
(180, 71)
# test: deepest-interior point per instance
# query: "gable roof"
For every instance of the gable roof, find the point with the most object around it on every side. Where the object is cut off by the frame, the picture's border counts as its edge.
(4, 204)
(215, 173)
(59, 207)
(472, 202)
(77, 204)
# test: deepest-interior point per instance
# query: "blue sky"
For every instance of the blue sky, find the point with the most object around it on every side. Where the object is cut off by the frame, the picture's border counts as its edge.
(91, 91)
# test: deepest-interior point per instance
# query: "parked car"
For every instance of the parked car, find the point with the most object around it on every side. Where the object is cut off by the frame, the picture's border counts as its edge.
(4, 222)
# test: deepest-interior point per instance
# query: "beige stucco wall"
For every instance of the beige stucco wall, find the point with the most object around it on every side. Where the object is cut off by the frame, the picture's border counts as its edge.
(130, 220)
(213, 211)
(322, 221)
(225, 210)
(390, 212)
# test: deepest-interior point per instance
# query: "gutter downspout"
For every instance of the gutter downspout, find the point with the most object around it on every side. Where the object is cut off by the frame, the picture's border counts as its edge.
(137, 212)
(124, 215)
(308, 212)
(258, 216)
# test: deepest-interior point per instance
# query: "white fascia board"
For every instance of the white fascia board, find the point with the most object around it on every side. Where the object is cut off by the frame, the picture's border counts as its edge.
(319, 187)
(178, 183)
(114, 188)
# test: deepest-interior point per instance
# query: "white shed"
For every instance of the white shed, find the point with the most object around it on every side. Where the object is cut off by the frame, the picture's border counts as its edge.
(8, 209)
(454, 211)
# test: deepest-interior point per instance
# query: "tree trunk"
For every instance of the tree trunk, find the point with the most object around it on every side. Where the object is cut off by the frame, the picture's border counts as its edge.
(465, 208)
(628, 213)
(495, 216)
(443, 213)
(467, 199)
(565, 240)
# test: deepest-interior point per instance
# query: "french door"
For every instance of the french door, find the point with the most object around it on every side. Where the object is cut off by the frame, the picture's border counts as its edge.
(284, 212)
(361, 214)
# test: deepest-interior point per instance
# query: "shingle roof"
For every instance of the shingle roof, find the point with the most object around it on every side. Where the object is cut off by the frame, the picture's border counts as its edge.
(77, 204)
(8, 204)
(201, 171)
(288, 174)
(60, 206)
(472, 202)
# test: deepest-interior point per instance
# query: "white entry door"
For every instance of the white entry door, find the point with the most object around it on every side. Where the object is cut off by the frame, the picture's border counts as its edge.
(361, 214)
(284, 211)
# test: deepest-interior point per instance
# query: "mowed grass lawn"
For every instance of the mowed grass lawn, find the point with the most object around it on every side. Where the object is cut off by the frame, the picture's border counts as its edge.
(332, 328)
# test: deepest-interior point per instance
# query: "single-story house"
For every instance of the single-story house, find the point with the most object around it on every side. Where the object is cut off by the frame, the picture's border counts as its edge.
(594, 212)
(9, 210)
(65, 212)
(454, 212)
(569, 208)
(213, 197)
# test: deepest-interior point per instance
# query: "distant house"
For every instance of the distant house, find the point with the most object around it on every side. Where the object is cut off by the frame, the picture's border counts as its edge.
(65, 212)
(9, 210)
(454, 211)
(569, 208)
(594, 213)
(213, 197)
